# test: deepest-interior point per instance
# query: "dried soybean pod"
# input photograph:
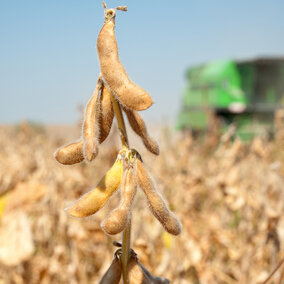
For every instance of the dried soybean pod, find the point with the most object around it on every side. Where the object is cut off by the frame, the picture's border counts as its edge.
(119, 218)
(91, 130)
(95, 199)
(70, 154)
(121, 8)
(107, 114)
(138, 125)
(138, 274)
(113, 274)
(113, 72)
(154, 279)
(156, 203)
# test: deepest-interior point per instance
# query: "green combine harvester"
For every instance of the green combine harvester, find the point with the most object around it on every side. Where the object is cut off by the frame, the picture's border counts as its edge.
(243, 93)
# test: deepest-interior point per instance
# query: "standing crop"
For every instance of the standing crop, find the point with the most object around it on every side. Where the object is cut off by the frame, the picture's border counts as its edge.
(115, 93)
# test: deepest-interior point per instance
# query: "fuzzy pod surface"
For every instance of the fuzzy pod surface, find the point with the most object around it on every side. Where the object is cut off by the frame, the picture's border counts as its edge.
(156, 202)
(94, 200)
(106, 114)
(139, 127)
(70, 154)
(113, 72)
(119, 218)
(91, 129)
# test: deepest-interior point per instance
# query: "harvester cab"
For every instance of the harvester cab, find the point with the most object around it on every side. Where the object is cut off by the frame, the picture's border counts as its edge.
(243, 93)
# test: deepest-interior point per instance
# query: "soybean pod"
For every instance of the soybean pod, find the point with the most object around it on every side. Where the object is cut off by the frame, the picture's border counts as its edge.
(119, 218)
(113, 274)
(156, 202)
(113, 72)
(91, 129)
(106, 114)
(138, 274)
(70, 154)
(139, 127)
(94, 200)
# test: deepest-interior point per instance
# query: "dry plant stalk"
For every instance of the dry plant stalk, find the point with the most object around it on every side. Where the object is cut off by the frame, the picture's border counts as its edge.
(115, 91)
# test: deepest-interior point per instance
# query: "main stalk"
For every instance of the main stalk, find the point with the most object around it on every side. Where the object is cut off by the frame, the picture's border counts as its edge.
(126, 235)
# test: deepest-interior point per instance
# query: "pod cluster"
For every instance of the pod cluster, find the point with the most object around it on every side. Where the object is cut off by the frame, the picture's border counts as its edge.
(113, 89)
(113, 84)
(128, 173)
(98, 119)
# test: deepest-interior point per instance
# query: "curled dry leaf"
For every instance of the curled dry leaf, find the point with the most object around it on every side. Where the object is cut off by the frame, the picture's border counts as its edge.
(91, 129)
(94, 200)
(138, 125)
(113, 72)
(106, 114)
(156, 202)
(119, 218)
(70, 154)
(113, 274)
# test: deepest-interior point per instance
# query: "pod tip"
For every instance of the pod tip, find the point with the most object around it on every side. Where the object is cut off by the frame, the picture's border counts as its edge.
(74, 212)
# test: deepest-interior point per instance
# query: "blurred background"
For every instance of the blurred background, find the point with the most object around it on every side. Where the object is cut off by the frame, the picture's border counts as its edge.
(215, 70)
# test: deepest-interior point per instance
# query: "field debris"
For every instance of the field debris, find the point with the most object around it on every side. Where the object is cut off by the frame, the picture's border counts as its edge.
(228, 196)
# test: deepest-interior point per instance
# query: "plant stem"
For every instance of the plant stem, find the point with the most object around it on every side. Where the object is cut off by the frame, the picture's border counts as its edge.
(126, 235)
(120, 122)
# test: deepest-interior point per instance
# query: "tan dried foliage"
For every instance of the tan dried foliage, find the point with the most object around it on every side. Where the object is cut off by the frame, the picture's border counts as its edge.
(16, 240)
(229, 198)
(30, 191)
(114, 74)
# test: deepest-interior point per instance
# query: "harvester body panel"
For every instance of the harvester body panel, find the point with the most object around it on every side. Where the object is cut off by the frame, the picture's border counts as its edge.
(245, 93)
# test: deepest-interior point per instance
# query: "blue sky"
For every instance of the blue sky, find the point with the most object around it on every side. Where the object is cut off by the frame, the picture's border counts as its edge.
(49, 64)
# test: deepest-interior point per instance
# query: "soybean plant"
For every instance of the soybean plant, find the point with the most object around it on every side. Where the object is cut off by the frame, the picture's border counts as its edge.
(114, 94)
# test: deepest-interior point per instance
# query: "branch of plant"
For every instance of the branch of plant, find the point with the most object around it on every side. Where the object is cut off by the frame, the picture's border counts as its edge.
(126, 235)
(274, 271)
